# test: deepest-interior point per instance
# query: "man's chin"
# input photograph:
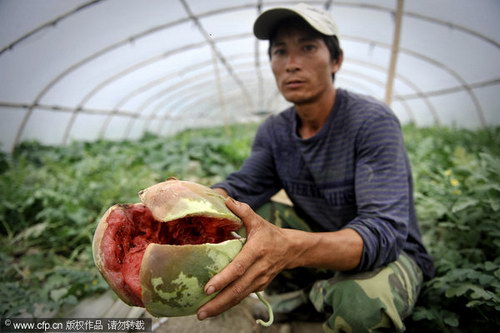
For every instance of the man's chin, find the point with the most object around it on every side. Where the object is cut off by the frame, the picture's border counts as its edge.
(298, 100)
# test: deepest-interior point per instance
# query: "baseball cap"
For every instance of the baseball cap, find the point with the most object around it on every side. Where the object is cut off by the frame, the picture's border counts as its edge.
(317, 18)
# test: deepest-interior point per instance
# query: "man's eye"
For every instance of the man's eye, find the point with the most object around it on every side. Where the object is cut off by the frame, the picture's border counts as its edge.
(309, 47)
(279, 51)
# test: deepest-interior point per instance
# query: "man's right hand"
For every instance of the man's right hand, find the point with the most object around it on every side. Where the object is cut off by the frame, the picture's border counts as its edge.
(267, 252)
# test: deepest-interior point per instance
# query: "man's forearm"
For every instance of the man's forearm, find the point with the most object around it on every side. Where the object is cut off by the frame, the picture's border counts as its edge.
(339, 250)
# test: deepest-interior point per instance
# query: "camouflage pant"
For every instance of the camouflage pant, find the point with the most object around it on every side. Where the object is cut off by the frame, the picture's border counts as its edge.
(375, 301)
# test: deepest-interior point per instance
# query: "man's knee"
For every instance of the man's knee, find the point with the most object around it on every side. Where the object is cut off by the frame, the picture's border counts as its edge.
(353, 310)
(375, 301)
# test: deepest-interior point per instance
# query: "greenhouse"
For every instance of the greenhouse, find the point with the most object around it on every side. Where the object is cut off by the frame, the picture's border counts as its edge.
(100, 99)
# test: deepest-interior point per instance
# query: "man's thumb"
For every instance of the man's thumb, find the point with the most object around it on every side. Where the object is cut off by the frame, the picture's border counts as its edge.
(241, 209)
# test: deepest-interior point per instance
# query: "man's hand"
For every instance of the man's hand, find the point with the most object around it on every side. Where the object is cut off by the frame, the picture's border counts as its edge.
(266, 252)
(269, 250)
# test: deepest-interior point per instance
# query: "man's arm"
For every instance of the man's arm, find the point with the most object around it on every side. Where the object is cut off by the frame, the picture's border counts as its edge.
(269, 250)
(256, 181)
(382, 192)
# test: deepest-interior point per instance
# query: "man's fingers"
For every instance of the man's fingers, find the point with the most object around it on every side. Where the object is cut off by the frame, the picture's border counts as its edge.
(239, 208)
(230, 296)
(250, 219)
(244, 259)
(238, 278)
(225, 300)
(233, 271)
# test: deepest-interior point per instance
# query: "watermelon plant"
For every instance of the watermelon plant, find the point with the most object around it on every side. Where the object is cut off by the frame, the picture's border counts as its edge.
(52, 197)
(457, 185)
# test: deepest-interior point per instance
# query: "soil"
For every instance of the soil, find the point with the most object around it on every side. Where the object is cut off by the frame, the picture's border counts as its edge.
(237, 319)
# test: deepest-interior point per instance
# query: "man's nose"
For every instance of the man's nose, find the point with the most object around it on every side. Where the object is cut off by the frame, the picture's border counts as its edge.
(293, 63)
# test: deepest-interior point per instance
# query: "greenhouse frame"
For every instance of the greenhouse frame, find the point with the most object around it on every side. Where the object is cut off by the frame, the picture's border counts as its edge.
(101, 99)
(73, 71)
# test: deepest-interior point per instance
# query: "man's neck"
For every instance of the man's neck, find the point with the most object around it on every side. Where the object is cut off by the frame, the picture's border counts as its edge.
(314, 115)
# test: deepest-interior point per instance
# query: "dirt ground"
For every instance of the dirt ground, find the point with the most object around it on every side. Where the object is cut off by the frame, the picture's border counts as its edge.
(237, 319)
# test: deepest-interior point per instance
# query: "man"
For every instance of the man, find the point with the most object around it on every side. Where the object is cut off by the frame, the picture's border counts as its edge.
(350, 247)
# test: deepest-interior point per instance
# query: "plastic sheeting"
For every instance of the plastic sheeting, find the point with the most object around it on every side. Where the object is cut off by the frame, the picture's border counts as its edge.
(114, 69)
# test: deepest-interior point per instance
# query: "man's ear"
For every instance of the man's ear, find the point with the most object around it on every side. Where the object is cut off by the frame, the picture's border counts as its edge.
(336, 64)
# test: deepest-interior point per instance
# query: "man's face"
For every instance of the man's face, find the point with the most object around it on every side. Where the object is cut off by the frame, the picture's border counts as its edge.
(301, 65)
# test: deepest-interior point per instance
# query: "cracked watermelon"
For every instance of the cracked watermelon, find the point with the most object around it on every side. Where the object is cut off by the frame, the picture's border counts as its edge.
(160, 253)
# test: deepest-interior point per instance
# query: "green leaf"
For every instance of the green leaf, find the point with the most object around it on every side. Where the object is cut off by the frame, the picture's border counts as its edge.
(472, 304)
(33, 231)
(459, 290)
(421, 313)
(463, 203)
(57, 294)
(451, 319)
(497, 273)
(489, 266)
(480, 293)
(494, 204)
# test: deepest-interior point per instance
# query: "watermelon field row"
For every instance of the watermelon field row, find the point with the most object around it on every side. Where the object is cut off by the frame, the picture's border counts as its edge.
(53, 196)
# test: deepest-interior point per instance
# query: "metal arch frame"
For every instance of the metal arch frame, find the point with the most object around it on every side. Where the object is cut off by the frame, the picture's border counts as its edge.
(105, 50)
(181, 103)
(149, 119)
(382, 69)
(258, 70)
(150, 100)
(409, 83)
(134, 116)
(49, 24)
(171, 89)
(438, 64)
(201, 44)
(451, 90)
(179, 95)
(199, 100)
(216, 51)
(146, 62)
(80, 63)
(232, 94)
(117, 76)
(179, 109)
(167, 90)
(59, 108)
(393, 59)
(326, 4)
(163, 120)
(142, 89)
